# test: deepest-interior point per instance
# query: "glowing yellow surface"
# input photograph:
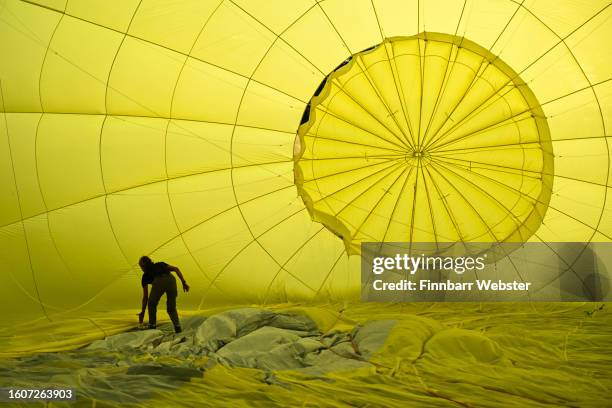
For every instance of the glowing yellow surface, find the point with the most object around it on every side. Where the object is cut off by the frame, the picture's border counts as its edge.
(428, 138)
(168, 129)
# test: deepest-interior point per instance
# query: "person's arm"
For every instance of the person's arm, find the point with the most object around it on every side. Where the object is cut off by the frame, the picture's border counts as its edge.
(145, 299)
(180, 275)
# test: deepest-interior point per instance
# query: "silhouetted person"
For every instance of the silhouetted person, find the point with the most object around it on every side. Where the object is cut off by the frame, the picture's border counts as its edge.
(159, 276)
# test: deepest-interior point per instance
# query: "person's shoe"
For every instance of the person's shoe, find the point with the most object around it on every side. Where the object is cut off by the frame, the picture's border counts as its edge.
(177, 329)
(151, 326)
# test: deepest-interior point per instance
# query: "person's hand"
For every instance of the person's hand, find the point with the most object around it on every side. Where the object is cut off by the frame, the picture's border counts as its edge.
(141, 317)
(185, 287)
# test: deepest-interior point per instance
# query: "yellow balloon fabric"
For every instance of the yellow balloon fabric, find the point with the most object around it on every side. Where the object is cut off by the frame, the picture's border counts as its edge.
(255, 144)
(450, 147)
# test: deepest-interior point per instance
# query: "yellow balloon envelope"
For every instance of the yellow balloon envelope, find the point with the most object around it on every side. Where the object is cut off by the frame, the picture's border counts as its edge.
(257, 144)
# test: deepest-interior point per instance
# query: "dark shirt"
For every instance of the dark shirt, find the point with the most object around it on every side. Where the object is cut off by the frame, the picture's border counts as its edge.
(153, 271)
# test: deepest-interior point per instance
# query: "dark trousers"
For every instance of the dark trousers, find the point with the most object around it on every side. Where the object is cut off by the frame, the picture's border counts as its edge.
(164, 283)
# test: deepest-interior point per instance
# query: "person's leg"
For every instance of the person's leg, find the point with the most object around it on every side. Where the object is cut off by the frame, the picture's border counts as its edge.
(171, 294)
(157, 291)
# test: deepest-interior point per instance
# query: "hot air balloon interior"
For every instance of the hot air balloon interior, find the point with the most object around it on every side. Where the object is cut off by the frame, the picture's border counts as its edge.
(258, 146)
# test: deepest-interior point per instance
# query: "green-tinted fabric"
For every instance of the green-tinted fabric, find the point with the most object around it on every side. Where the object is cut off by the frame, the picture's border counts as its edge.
(439, 355)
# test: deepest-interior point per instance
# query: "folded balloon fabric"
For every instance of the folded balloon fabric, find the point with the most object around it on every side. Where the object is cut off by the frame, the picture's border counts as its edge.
(382, 355)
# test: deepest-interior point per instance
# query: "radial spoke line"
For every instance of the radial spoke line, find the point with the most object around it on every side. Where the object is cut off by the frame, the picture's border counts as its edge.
(479, 109)
(477, 75)
(490, 179)
(392, 215)
(529, 147)
(422, 85)
(374, 156)
(509, 214)
(506, 25)
(315, 180)
(483, 222)
(413, 208)
(371, 81)
(446, 207)
(534, 200)
(441, 91)
(352, 62)
(326, 111)
(356, 182)
(353, 169)
(482, 107)
(490, 63)
(517, 75)
(521, 225)
(523, 172)
(523, 111)
(431, 212)
(445, 78)
(384, 193)
(400, 98)
(341, 89)
(508, 121)
(395, 78)
(535, 176)
(334, 27)
(395, 206)
(488, 229)
(317, 136)
(491, 148)
(454, 221)
(400, 91)
(521, 169)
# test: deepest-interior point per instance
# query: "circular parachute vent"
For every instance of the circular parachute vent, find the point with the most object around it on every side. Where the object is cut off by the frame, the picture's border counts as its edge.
(429, 138)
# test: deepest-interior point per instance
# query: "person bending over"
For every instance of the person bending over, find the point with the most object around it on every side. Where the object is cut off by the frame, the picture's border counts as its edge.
(159, 276)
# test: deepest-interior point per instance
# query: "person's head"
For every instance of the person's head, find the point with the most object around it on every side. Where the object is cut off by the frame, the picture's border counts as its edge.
(145, 262)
